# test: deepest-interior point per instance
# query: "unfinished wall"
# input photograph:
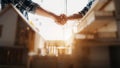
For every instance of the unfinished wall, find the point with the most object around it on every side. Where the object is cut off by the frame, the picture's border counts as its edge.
(99, 57)
(91, 55)
(8, 21)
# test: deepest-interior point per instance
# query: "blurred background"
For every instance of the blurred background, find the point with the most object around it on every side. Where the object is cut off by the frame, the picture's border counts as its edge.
(34, 41)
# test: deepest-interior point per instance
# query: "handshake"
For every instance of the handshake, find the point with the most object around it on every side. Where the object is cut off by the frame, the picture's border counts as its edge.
(62, 19)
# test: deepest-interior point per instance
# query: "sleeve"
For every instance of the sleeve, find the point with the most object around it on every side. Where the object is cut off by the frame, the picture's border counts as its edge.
(30, 6)
(27, 5)
(86, 8)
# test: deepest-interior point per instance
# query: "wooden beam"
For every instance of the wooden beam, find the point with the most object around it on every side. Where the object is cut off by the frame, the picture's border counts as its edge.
(105, 5)
(97, 42)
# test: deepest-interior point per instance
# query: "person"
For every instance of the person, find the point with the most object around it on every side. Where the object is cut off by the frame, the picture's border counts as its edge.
(30, 6)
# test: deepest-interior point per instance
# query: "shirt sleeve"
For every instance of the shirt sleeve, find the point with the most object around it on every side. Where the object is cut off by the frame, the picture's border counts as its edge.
(27, 5)
(30, 6)
(86, 8)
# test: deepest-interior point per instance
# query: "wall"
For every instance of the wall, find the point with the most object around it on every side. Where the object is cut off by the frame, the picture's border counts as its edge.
(115, 56)
(99, 57)
(8, 21)
(91, 55)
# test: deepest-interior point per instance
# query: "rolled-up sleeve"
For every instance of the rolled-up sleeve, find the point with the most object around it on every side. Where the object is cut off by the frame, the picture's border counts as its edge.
(27, 5)
(30, 6)
(86, 8)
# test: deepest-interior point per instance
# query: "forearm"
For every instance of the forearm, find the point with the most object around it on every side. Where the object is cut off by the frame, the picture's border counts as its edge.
(75, 16)
(43, 12)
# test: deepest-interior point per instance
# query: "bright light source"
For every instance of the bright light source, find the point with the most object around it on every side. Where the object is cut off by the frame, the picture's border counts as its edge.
(56, 48)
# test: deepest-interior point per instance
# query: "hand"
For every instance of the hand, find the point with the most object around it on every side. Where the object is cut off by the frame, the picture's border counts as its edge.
(61, 19)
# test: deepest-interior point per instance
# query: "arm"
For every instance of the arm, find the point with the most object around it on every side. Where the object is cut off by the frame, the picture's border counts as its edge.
(61, 20)
(75, 16)
(36, 9)
(58, 19)
(81, 13)
(43, 12)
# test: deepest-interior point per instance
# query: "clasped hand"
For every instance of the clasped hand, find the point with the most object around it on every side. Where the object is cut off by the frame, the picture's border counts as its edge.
(62, 19)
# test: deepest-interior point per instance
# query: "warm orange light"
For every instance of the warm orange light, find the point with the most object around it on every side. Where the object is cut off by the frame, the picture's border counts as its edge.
(56, 48)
